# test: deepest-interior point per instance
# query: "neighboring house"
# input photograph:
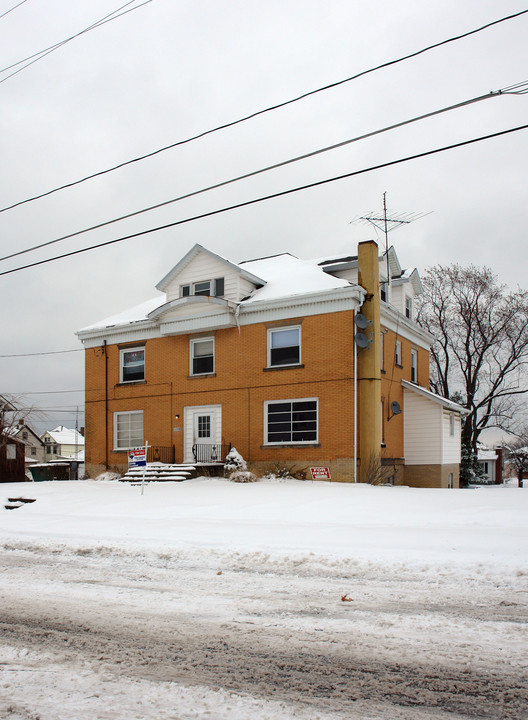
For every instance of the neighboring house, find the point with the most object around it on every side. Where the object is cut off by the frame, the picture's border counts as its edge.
(490, 463)
(262, 355)
(34, 447)
(62, 444)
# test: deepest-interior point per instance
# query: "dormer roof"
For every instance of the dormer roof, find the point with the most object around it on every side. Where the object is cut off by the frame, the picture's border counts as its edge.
(192, 254)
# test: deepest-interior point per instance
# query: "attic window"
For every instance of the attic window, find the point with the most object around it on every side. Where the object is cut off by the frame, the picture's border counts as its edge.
(408, 307)
(211, 288)
(384, 292)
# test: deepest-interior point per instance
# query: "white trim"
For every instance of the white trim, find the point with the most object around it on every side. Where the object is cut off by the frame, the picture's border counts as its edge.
(126, 412)
(192, 343)
(414, 365)
(282, 328)
(291, 442)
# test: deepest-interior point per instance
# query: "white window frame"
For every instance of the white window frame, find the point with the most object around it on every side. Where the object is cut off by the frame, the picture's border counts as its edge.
(267, 403)
(452, 424)
(408, 307)
(122, 352)
(414, 365)
(123, 448)
(398, 353)
(382, 343)
(193, 342)
(282, 328)
(212, 282)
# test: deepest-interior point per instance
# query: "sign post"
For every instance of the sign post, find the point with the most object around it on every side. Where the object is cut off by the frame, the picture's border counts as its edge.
(137, 457)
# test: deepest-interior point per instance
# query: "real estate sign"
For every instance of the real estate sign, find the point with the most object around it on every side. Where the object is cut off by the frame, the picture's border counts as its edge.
(137, 457)
(320, 473)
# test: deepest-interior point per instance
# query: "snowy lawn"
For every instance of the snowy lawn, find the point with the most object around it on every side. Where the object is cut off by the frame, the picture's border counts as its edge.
(210, 599)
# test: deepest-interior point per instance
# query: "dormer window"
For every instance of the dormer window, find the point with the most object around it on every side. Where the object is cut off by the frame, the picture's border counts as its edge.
(384, 292)
(211, 288)
(408, 307)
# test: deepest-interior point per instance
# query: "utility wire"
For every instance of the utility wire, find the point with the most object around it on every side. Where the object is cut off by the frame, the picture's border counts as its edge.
(268, 197)
(267, 110)
(514, 89)
(11, 9)
(42, 53)
(54, 352)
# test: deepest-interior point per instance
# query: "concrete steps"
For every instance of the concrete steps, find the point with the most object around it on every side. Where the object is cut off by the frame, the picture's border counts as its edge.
(161, 472)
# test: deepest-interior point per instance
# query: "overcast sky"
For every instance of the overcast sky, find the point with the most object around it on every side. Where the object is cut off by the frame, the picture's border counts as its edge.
(174, 68)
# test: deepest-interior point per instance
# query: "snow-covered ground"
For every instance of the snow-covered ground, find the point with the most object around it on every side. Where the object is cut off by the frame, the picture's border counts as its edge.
(210, 599)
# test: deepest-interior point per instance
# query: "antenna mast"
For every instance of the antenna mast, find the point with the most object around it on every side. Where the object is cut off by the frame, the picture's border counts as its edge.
(386, 225)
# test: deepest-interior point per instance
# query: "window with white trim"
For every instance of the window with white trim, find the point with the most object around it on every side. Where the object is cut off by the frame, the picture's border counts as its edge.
(408, 307)
(452, 424)
(284, 346)
(132, 364)
(382, 335)
(128, 429)
(202, 356)
(398, 352)
(212, 288)
(414, 366)
(290, 421)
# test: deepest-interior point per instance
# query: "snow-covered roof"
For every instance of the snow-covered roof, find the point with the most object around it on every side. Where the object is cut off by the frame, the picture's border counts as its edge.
(448, 404)
(286, 276)
(65, 436)
(131, 315)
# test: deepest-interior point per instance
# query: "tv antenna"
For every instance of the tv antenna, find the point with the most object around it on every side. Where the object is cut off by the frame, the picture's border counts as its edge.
(386, 224)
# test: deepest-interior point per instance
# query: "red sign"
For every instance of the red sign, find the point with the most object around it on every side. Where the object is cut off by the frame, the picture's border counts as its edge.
(320, 473)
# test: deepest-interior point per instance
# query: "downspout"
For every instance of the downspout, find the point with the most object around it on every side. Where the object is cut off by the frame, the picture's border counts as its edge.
(355, 401)
(106, 402)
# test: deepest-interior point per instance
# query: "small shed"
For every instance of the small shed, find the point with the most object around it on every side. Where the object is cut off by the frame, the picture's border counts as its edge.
(12, 459)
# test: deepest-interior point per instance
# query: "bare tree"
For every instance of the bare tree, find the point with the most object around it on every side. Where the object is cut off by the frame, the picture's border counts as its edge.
(13, 410)
(480, 354)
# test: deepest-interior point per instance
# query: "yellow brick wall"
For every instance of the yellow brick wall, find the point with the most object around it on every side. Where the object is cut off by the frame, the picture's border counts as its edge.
(241, 385)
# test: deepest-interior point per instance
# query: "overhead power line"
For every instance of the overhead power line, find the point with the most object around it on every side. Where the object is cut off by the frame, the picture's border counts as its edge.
(53, 352)
(268, 197)
(518, 89)
(31, 59)
(267, 109)
(11, 9)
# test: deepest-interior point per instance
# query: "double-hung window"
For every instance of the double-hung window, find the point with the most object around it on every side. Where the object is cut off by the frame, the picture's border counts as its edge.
(290, 421)
(408, 307)
(414, 366)
(132, 364)
(202, 356)
(128, 430)
(212, 288)
(284, 346)
(398, 352)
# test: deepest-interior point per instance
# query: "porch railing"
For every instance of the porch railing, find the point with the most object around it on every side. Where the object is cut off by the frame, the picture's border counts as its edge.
(160, 453)
(210, 452)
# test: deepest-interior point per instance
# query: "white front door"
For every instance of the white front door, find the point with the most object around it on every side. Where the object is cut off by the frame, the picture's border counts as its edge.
(203, 433)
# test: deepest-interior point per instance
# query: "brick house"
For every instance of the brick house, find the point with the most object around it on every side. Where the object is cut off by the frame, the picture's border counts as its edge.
(305, 363)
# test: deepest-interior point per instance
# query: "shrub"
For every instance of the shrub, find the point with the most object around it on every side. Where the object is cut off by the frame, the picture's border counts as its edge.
(234, 461)
(243, 476)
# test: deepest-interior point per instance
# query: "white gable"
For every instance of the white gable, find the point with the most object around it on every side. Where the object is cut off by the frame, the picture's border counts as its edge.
(201, 265)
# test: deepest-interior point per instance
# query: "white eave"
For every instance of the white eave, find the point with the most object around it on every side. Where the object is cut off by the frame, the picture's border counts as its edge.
(444, 402)
(394, 320)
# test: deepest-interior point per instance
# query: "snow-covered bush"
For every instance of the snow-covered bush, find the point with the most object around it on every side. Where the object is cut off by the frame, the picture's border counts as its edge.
(108, 477)
(243, 476)
(234, 461)
(284, 472)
